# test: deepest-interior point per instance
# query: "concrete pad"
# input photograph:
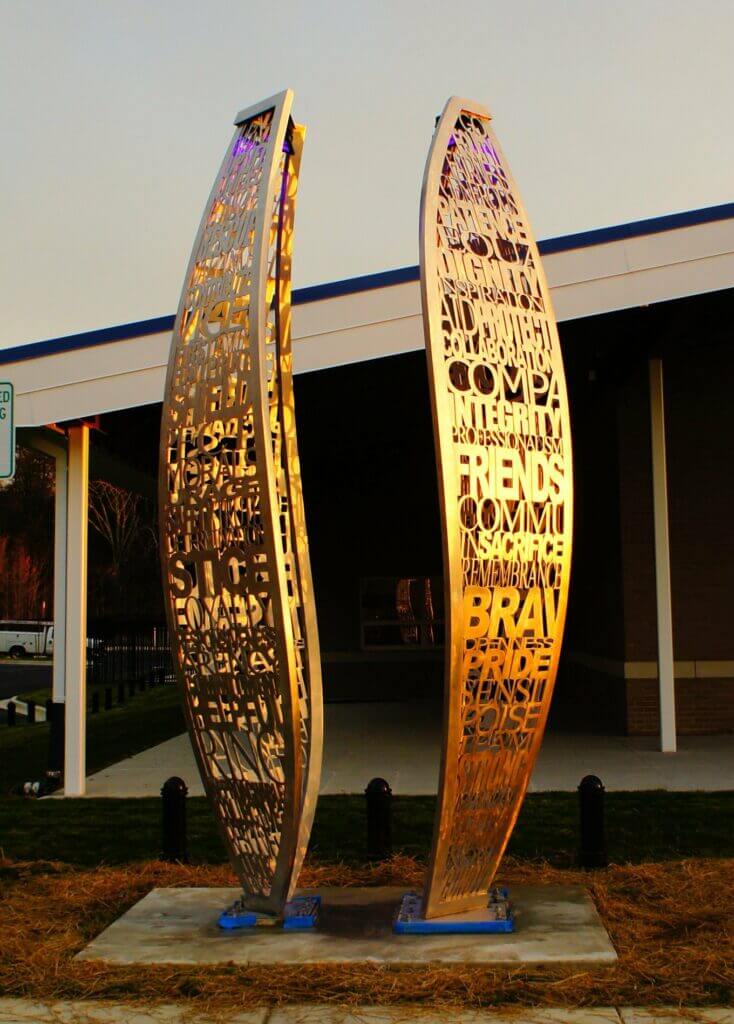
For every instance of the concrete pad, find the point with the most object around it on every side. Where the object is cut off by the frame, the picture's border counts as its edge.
(554, 924)
(413, 1015)
(28, 1011)
(677, 1015)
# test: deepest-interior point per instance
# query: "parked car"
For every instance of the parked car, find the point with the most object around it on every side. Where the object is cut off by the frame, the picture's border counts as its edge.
(21, 638)
(28, 638)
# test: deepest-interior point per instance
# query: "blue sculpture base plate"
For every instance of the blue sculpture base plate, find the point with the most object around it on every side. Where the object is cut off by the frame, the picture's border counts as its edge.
(301, 912)
(496, 917)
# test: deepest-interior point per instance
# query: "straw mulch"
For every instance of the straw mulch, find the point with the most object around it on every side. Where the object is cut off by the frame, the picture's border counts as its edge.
(672, 925)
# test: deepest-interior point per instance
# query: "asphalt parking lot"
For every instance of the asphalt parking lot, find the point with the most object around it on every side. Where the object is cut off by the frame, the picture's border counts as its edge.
(22, 675)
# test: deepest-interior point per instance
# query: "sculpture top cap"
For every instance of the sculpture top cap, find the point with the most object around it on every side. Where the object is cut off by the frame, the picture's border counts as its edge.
(470, 106)
(284, 98)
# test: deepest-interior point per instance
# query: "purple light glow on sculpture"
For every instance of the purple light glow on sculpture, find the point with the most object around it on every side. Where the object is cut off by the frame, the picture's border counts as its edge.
(244, 145)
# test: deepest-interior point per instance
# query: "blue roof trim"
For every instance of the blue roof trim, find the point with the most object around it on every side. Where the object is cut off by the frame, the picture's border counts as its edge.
(88, 339)
(635, 228)
(350, 285)
(368, 282)
(547, 246)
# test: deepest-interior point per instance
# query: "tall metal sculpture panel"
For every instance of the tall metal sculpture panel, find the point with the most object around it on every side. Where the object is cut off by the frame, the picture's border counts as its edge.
(236, 572)
(503, 449)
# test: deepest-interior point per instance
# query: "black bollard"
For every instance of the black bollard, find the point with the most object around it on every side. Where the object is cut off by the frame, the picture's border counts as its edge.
(56, 740)
(379, 809)
(95, 702)
(31, 712)
(49, 705)
(173, 794)
(120, 693)
(10, 712)
(108, 698)
(592, 849)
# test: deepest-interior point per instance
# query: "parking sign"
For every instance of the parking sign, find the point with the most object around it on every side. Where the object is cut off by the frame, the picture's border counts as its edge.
(7, 431)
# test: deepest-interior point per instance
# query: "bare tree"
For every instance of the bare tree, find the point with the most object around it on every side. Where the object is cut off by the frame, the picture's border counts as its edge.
(21, 582)
(26, 537)
(115, 514)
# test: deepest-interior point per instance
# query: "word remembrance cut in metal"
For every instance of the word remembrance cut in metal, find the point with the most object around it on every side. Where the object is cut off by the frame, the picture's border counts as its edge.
(504, 457)
(233, 541)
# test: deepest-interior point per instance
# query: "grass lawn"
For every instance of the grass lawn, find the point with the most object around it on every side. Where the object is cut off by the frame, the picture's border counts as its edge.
(43, 693)
(141, 722)
(40, 696)
(641, 827)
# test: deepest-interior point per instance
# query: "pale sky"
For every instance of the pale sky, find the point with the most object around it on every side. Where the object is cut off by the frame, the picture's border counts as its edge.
(115, 115)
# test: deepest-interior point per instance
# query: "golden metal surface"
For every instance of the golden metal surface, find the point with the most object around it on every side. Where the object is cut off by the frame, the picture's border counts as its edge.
(503, 448)
(236, 572)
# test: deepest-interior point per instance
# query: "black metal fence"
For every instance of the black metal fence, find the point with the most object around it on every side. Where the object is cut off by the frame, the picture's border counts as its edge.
(123, 660)
(128, 653)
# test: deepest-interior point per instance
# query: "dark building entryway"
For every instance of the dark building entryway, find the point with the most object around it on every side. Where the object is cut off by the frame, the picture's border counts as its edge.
(366, 445)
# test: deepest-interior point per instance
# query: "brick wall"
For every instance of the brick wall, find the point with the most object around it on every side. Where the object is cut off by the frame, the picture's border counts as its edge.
(694, 338)
(702, 706)
(587, 700)
(700, 439)
(612, 606)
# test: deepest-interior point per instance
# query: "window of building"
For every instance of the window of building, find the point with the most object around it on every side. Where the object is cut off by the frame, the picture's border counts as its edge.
(401, 612)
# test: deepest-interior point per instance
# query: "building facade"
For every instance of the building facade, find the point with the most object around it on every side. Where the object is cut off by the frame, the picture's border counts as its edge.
(645, 315)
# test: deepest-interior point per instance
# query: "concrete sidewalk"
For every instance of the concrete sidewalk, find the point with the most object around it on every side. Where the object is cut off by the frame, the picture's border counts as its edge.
(25, 1011)
(401, 742)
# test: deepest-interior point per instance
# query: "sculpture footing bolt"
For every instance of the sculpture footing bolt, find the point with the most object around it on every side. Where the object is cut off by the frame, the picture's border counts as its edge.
(300, 913)
(496, 917)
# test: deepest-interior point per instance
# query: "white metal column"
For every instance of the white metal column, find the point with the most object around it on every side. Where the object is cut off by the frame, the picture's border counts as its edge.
(76, 612)
(57, 450)
(59, 655)
(666, 667)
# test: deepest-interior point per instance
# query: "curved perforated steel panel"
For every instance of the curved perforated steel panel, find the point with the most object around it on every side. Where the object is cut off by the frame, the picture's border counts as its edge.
(503, 449)
(234, 551)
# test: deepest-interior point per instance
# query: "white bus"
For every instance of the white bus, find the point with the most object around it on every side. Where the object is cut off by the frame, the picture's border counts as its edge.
(21, 639)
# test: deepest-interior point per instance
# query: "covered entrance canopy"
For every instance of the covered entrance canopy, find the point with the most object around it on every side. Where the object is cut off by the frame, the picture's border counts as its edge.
(62, 384)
